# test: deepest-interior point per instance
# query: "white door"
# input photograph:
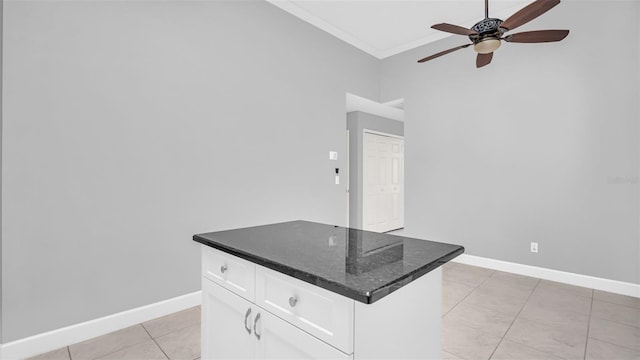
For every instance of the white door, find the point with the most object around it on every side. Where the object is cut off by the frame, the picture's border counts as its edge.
(227, 327)
(383, 183)
(277, 339)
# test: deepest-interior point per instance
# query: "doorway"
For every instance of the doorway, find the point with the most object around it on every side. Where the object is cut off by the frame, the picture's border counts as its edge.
(375, 151)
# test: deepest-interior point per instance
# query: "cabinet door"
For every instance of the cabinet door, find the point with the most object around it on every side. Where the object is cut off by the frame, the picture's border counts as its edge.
(227, 321)
(277, 339)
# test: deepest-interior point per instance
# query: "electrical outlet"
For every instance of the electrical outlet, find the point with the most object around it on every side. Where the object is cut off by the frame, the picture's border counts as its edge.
(534, 247)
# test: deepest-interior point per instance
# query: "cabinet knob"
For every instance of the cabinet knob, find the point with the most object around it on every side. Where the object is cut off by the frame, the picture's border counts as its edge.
(293, 301)
(223, 268)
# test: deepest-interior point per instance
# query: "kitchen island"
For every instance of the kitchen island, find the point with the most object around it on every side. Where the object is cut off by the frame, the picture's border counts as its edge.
(304, 290)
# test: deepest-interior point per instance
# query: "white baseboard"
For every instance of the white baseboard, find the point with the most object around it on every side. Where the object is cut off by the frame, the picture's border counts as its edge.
(614, 286)
(58, 338)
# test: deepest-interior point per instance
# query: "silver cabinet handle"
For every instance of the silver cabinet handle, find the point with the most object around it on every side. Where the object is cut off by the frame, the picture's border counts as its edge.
(255, 329)
(293, 301)
(223, 268)
(246, 316)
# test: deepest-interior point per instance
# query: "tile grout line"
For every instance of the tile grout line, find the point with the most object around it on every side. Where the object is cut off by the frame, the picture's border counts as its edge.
(614, 344)
(612, 321)
(616, 322)
(112, 352)
(536, 321)
(461, 300)
(616, 304)
(514, 319)
(545, 351)
(155, 342)
(586, 341)
(470, 292)
(126, 347)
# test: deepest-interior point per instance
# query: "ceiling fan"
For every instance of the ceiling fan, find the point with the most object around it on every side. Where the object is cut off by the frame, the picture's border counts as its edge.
(487, 34)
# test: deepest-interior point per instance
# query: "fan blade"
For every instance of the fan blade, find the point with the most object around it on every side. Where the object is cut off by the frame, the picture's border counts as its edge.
(483, 59)
(443, 53)
(539, 36)
(528, 13)
(454, 29)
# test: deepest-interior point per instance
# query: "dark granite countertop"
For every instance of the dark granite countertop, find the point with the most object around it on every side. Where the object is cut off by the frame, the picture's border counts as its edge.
(361, 265)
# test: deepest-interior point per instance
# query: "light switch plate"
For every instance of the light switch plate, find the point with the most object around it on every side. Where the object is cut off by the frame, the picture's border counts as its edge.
(333, 155)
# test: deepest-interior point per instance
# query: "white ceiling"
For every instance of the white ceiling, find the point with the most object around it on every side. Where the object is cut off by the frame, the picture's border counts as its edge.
(384, 28)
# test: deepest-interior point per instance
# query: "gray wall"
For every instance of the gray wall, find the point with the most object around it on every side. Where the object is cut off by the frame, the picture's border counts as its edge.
(1, 266)
(541, 145)
(130, 126)
(357, 122)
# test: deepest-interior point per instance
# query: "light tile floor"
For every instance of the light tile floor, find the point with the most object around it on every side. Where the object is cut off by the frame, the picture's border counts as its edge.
(490, 314)
(486, 314)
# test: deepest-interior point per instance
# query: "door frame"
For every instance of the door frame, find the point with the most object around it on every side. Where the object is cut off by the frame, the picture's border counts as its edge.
(376, 132)
(347, 176)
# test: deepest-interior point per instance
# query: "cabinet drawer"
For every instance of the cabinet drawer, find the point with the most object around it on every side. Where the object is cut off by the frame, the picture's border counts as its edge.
(280, 340)
(322, 313)
(232, 272)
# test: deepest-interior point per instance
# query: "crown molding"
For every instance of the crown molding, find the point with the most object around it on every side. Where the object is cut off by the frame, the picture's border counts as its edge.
(300, 13)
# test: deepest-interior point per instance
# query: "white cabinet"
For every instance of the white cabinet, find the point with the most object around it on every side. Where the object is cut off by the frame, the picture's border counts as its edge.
(251, 312)
(233, 327)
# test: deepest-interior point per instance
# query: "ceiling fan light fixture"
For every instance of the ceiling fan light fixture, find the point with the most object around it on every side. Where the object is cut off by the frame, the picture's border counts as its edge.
(486, 46)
